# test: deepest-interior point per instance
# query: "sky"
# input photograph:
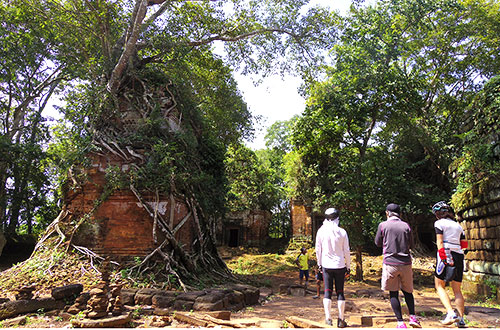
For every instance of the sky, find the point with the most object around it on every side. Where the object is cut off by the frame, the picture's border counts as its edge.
(276, 98)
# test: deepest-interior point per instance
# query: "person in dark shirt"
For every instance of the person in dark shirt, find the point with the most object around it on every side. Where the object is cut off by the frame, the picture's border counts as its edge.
(395, 238)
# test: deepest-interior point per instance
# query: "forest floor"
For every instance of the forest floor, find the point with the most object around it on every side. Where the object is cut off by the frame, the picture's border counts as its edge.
(366, 303)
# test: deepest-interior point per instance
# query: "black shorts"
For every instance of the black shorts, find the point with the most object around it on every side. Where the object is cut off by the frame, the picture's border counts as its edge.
(458, 262)
(334, 276)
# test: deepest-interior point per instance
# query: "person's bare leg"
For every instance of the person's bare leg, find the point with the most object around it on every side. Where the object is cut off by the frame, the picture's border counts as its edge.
(459, 298)
(443, 295)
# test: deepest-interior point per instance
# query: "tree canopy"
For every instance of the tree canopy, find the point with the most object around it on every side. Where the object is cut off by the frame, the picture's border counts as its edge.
(383, 126)
(389, 88)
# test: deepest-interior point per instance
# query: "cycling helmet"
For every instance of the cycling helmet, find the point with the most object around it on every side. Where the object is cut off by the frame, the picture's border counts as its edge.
(332, 213)
(441, 206)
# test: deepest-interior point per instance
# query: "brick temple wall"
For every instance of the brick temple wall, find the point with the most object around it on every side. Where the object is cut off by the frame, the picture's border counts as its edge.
(301, 220)
(121, 226)
(252, 228)
(481, 223)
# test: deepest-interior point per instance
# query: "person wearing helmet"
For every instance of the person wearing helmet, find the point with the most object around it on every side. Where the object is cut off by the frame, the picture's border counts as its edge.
(395, 237)
(334, 260)
(450, 241)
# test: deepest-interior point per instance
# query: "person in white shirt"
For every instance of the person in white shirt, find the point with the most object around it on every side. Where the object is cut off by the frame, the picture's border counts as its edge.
(334, 261)
(451, 242)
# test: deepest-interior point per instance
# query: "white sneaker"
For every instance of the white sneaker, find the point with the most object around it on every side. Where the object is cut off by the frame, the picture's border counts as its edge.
(449, 319)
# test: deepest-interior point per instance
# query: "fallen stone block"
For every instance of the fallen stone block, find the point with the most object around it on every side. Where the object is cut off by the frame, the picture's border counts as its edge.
(183, 305)
(109, 322)
(208, 306)
(185, 318)
(223, 315)
(304, 323)
(128, 296)
(67, 291)
(145, 296)
(371, 320)
(252, 295)
(297, 291)
(210, 297)
(236, 297)
(190, 296)
(163, 300)
(13, 308)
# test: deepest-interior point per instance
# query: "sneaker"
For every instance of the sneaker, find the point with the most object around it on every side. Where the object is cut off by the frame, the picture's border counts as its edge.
(414, 323)
(341, 323)
(401, 326)
(315, 297)
(461, 323)
(329, 322)
(449, 319)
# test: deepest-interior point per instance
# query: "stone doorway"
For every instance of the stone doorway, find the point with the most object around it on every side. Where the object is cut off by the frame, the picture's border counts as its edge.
(233, 240)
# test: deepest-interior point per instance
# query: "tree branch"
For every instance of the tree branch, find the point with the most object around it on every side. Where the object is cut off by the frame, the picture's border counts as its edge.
(120, 67)
(239, 37)
(157, 14)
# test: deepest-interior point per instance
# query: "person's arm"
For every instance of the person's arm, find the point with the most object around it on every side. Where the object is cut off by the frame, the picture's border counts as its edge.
(439, 241)
(347, 253)
(318, 249)
(379, 237)
(440, 246)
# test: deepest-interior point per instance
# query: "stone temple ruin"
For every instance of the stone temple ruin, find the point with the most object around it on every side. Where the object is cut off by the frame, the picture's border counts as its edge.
(481, 223)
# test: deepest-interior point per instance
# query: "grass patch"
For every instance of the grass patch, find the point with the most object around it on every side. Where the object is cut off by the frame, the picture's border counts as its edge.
(262, 264)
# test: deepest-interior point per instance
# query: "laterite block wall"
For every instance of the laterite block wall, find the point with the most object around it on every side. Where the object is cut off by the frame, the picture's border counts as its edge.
(481, 222)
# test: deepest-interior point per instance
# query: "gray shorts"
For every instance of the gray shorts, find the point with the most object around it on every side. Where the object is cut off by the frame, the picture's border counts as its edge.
(397, 277)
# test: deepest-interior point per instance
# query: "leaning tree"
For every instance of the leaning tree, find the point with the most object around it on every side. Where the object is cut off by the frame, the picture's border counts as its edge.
(150, 111)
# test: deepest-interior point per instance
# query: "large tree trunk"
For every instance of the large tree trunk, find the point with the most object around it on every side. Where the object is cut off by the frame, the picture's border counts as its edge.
(419, 248)
(359, 263)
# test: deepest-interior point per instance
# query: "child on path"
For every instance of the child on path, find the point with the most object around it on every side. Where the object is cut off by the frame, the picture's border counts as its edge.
(302, 262)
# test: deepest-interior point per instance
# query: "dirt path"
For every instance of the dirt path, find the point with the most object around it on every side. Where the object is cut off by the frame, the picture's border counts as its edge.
(362, 299)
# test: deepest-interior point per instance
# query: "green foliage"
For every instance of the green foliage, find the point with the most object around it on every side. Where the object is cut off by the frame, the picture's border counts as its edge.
(250, 182)
(382, 126)
(28, 76)
(478, 166)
